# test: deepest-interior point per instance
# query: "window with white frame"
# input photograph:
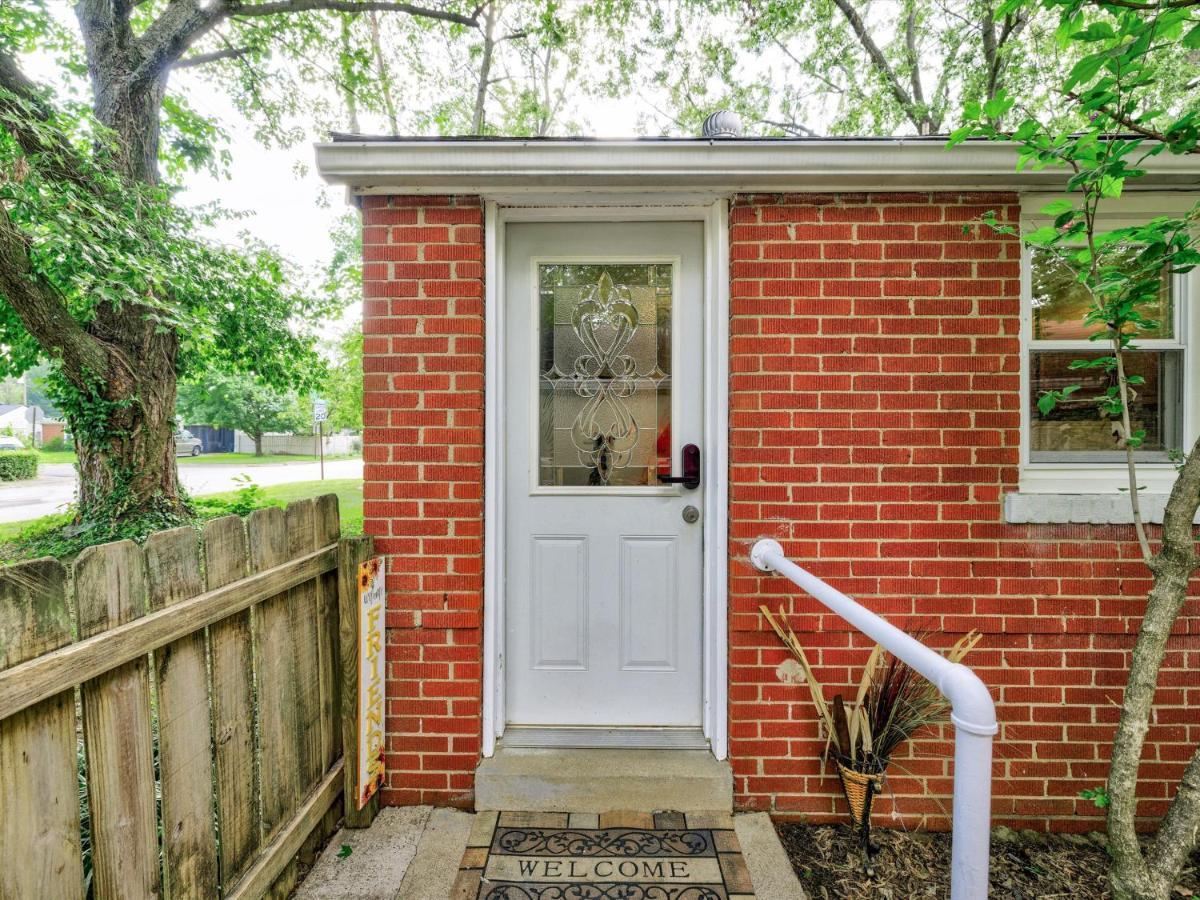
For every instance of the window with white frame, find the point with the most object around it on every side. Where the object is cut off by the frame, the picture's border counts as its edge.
(1072, 448)
(1074, 431)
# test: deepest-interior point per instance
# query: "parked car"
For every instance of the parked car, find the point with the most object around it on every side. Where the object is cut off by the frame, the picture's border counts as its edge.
(187, 444)
(8, 442)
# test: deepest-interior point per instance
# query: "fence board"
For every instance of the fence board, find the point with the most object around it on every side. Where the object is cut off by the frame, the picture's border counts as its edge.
(329, 528)
(275, 665)
(351, 552)
(39, 800)
(225, 561)
(110, 588)
(302, 600)
(43, 677)
(287, 840)
(184, 745)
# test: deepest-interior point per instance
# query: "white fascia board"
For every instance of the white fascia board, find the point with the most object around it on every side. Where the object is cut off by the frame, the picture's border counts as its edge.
(724, 166)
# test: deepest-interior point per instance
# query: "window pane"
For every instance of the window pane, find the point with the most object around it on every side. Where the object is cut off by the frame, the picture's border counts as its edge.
(1060, 303)
(1074, 430)
(604, 374)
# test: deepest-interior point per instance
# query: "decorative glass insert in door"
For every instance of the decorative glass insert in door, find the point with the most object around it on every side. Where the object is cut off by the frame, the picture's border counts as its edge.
(604, 374)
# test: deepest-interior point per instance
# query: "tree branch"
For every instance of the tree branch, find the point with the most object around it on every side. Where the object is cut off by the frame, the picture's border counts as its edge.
(20, 99)
(200, 59)
(275, 7)
(878, 59)
(42, 310)
(793, 127)
(184, 22)
(1149, 7)
(169, 36)
(1122, 119)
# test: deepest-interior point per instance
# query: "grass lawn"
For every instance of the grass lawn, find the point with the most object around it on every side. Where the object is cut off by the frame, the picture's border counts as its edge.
(41, 537)
(348, 490)
(249, 459)
(56, 456)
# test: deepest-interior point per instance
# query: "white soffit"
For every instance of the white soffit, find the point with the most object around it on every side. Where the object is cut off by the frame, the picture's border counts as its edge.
(711, 166)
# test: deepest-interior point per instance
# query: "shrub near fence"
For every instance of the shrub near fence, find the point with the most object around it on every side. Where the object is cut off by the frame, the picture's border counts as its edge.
(16, 465)
(220, 660)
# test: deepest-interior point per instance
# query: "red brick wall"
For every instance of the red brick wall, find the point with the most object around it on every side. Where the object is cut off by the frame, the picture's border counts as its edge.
(874, 428)
(423, 481)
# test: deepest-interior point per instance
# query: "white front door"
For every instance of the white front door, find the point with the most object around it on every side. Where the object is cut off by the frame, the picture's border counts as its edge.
(604, 386)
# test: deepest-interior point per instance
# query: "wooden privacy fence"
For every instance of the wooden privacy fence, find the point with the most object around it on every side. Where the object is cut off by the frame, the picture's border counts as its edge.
(171, 714)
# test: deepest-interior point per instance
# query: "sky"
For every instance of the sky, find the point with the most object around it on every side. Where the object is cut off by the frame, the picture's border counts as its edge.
(286, 202)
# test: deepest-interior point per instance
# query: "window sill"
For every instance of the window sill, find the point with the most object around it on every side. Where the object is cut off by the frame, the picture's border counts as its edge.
(1088, 509)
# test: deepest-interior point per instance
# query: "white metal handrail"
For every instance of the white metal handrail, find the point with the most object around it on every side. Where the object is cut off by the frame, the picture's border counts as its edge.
(972, 712)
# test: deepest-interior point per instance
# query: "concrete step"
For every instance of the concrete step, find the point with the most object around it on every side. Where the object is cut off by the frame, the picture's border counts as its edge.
(569, 780)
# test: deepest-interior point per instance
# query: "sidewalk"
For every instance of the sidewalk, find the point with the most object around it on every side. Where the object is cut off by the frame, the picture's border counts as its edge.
(415, 853)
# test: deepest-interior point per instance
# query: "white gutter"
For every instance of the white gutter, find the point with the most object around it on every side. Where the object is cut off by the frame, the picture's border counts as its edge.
(728, 166)
(972, 712)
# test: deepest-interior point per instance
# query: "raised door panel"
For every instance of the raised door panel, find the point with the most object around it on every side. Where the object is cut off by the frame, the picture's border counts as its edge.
(649, 604)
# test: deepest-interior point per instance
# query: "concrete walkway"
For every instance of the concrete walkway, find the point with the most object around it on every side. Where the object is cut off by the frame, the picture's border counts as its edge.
(414, 853)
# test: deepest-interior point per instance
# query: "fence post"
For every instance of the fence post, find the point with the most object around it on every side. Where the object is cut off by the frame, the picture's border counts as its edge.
(351, 552)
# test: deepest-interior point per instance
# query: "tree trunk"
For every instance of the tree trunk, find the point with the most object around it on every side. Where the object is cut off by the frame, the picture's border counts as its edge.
(127, 457)
(485, 70)
(258, 438)
(1134, 875)
(126, 447)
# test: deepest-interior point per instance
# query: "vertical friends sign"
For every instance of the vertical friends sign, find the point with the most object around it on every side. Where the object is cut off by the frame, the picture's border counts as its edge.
(371, 678)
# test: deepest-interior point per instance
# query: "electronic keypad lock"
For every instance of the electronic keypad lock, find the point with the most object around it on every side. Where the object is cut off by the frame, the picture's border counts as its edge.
(690, 479)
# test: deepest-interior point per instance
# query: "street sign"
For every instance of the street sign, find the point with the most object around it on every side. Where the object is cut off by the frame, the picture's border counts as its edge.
(320, 410)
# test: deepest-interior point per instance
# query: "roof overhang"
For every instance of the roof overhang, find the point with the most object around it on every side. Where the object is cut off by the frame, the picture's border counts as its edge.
(506, 166)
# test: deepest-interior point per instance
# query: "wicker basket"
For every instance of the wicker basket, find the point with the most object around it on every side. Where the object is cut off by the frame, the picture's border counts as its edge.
(859, 788)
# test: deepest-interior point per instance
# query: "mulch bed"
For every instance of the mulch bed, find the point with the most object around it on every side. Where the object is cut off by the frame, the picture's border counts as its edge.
(1025, 865)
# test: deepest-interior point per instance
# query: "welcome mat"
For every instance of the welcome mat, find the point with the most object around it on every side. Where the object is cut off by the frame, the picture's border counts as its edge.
(605, 856)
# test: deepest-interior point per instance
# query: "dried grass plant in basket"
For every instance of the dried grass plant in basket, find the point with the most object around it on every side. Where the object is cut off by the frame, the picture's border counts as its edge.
(892, 703)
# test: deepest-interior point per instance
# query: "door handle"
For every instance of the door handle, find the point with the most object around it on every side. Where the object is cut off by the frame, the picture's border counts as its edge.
(690, 479)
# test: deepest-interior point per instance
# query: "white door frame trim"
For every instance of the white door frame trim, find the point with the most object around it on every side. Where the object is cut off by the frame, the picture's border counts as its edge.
(715, 649)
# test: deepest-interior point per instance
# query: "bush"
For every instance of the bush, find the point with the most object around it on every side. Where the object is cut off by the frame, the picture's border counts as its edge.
(16, 465)
(56, 445)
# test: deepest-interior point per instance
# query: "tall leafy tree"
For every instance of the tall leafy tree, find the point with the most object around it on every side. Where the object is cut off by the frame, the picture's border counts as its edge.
(343, 386)
(241, 402)
(99, 271)
(1114, 122)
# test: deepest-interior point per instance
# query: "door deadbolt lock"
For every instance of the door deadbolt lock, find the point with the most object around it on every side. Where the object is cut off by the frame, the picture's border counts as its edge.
(691, 515)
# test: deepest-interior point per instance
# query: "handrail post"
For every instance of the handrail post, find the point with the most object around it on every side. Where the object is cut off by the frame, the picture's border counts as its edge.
(972, 712)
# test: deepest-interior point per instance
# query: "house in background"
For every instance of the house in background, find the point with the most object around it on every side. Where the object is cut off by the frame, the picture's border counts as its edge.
(24, 421)
(816, 341)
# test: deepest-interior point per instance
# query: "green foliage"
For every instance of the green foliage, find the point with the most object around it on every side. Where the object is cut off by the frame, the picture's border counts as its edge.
(18, 465)
(1117, 126)
(1098, 796)
(242, 502)
(343, 387)
(242, 402)
(56, 445)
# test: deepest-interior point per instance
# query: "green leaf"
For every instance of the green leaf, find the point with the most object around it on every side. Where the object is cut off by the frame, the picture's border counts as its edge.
(345, 851)
(1191, 40)
(1046, 402)
(997, 106)
(1057, 208)
(1085, 70)
(1042, 236)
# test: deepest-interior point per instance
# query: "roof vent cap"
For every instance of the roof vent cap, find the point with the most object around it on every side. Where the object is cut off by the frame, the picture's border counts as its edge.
(724, 123)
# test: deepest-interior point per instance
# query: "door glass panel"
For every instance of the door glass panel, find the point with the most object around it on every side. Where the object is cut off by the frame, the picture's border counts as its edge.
(604, 374)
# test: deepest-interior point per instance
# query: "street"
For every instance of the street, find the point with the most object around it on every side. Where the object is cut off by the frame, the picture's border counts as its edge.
(54, 487)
